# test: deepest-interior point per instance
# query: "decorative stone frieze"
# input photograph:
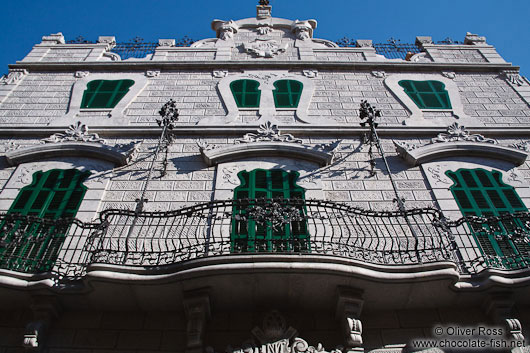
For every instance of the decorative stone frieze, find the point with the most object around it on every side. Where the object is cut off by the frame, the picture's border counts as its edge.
(456, 132)
(13, 77)
(75, 132)
(265, 48)
(474, 39)
(81, 74)
(268, 132)
(152, 73)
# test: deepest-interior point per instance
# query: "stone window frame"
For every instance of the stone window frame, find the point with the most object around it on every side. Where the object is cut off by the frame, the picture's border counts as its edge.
(116, 114)
(417, 117)
(267, 109)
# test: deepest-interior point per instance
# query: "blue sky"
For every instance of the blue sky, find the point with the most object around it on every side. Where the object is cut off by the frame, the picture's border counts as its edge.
(504, 23)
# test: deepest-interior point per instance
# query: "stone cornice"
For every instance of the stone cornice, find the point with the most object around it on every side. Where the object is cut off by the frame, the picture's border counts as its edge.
(257, 64)
(299, 130)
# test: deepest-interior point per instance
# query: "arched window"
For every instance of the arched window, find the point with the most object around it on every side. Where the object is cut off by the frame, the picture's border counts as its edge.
(246, 93)
(265, 191)
(479, 192)
(105, 94)
(427, 94)
(32, 246)
(287, 93)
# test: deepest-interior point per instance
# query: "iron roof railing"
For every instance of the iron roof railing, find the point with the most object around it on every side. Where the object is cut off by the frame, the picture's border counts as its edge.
(67, 247)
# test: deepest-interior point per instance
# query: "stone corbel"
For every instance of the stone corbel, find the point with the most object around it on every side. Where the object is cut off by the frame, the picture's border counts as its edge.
(45, 310)
(197, 310)
(349, 307)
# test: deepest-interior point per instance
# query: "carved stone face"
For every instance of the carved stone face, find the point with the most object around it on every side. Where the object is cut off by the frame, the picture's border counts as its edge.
(302, 33)
(226, 33)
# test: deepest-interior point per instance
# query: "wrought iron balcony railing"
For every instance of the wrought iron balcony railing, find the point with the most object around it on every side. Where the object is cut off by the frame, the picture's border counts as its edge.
(66, 247)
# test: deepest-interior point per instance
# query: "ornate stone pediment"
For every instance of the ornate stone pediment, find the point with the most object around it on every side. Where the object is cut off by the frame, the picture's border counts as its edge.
(264, 48)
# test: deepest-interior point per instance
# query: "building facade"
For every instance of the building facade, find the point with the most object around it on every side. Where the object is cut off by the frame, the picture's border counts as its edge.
(264, 191)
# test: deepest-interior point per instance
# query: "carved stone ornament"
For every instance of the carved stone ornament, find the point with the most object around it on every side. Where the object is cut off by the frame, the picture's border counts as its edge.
(379, 74)
(265, 48)
(273, 328)
(299, 345)
(268, 132)
(219, 73)
(152, 73)
(449, 74)
(13, 76)
(264, 29)
(523, 146)
(310, 73)
(437, 174)
(513, 77)
(474, 39)
(225, 29)
(456, 132)
(75, 132)
(166, 42)
(112, 56)
(267, 78)
(303, 29)
(81, 74)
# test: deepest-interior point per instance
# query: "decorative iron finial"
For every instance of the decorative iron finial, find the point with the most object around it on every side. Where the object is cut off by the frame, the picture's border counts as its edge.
(264, 2)
(169, 114)
(369, 113)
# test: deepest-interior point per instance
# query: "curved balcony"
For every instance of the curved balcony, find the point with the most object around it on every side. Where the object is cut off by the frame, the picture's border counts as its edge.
(67, 247)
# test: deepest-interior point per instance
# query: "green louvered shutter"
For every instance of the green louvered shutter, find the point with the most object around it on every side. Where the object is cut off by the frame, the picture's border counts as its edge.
(252, 236)
(105, 94)
(246, 93)
(287, 93)
(479, 192)
(32, 247)
(427, 94)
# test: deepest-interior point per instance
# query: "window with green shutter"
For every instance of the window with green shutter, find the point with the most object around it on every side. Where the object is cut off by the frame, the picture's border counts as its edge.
(246, 93)
(105, 93)
(53, 194)
(427, 94)
(261, 188)
(479, 192)
(287, 93)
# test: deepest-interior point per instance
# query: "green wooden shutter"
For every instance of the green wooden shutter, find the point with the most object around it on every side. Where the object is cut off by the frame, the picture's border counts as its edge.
(250, 236)
(105, 94)
(479, 192)
(246, 93)
(32, 247)
(287, 93)
(427, 94)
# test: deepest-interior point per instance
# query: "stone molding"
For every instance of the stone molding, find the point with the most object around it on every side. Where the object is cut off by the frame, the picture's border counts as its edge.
(265, 149)
(416, 117)
(267, 109)
(68, 149)
(116, 115)
(420, 155)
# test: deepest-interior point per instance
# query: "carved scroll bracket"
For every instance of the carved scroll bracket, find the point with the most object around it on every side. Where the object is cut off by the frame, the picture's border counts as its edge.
(197, 309)
(349, 307)
(45, 310)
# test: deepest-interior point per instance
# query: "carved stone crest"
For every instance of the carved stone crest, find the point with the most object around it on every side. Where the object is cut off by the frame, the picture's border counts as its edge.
(310, 73)
(456, 132)
(75, 132)
(219, 73)
(152, 73)
(268, 132)
(379, 74)
(264, 48)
